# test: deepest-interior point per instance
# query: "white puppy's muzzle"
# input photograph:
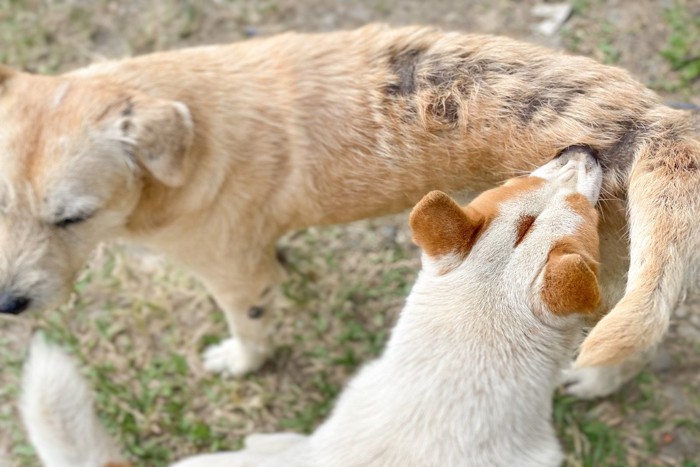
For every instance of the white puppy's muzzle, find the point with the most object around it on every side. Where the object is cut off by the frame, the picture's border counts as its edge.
(575, 169)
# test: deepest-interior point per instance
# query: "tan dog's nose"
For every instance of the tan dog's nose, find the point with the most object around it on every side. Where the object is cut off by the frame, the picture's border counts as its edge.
(13, 304)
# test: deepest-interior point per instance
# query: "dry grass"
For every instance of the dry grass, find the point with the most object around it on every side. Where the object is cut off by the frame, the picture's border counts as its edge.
(139, 325)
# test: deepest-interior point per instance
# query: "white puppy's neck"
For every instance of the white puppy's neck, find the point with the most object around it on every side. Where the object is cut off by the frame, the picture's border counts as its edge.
(478, 325)
(463, 381)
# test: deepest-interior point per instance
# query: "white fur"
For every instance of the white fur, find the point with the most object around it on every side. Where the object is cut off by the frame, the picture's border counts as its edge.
(57, 408)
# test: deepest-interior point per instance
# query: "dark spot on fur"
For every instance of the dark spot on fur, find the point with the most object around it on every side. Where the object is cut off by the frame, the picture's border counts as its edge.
(256, 312)
(281, 256)
(445, 110)
(480, 66)
(465, 54)
(554, 105)
(129, 109)
(505, 68)
(403, 64)
(466, 71)
(621, 153)
(531, 105)
(567, 98)
(126, 126)
(439, 77)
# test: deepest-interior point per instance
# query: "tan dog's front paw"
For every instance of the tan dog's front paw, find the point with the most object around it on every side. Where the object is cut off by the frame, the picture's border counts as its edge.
(232, 357)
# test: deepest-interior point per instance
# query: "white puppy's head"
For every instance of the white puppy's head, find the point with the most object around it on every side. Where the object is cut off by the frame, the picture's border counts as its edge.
(75, 159)
(534, 240)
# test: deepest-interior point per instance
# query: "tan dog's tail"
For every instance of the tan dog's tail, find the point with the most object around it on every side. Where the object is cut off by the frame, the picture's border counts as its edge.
(664, 216)
(58, 411)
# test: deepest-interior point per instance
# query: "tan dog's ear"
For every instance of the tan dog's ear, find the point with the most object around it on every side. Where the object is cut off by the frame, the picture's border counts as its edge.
(440, 226)
(159, 134)
(569, 285)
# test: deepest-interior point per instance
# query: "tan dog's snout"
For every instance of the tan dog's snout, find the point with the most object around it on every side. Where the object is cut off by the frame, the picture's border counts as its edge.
(34, 273)
(13, 304)
(74, 167)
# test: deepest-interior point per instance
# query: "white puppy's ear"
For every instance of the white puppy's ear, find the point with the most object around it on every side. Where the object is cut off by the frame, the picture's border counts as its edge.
(570, 284)
(441, 227)
(159, 135)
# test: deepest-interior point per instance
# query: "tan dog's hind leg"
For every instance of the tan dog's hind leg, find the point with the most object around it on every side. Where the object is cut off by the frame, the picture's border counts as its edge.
(601, 381)
(588, 383)
(664, 208)
(243, 291)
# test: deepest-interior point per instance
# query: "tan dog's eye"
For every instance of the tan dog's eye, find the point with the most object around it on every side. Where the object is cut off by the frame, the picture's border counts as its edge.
(68, 221)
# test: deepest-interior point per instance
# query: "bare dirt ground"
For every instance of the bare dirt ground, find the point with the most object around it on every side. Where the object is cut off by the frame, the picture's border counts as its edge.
(138, 324)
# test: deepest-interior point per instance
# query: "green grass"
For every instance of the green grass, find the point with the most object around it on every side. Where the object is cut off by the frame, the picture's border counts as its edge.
(594, 442)
(606, 44)
(683, 49)
(138, 325)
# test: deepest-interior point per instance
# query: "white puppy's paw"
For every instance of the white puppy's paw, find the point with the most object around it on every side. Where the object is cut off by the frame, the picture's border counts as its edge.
(232, 357)
(591, 383)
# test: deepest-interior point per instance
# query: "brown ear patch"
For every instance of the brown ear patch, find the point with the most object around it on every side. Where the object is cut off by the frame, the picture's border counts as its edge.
(570, 284)
(440, 226)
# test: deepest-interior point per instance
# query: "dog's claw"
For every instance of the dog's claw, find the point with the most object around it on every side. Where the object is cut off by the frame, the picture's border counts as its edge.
(231, 357)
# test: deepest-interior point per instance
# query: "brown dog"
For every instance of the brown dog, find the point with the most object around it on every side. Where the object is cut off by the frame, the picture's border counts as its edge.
(210, 154)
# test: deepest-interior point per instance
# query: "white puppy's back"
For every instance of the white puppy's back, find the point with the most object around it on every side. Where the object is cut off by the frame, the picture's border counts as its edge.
(57, 409)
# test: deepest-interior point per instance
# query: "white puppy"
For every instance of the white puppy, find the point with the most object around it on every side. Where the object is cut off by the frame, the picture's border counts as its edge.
(468, 374)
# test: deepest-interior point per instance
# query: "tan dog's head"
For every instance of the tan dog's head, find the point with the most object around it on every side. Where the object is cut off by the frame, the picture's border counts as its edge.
(533, 240)
(73, 161)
